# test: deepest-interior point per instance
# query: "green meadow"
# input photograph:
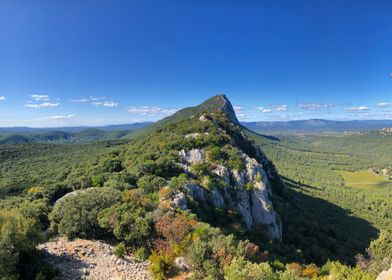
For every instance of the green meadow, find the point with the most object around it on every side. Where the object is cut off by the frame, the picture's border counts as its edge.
(363, 179)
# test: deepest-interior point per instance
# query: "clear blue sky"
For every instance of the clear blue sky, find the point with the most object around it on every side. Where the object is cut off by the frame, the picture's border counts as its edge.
(104, 62)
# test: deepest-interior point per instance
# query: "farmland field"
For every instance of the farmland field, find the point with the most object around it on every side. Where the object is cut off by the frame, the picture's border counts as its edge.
(363, 179)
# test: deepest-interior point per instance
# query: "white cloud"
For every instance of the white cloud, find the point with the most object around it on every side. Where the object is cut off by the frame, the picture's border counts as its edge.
(384, 104)
(40, 97)
(314, 106)
(83, 100)
(67, 117)
(2, 98)
(281, 108)
(264, 110)
(358, 109)
(93, 98)
(42, 105)
(237, 109)
(151, 110)
(106, 104)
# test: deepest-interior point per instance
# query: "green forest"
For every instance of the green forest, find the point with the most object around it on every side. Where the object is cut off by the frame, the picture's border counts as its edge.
(122, 190)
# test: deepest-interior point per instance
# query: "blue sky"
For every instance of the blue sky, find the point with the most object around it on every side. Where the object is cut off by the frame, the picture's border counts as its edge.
(105, 62)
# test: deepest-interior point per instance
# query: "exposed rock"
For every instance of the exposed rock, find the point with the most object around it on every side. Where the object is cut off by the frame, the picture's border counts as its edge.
(181, 264)
(243, 207)
(196, 192)
(262, 210)
(222, 172)
(179, 201)
(194, 135)
(193, 156)
(385, 275)
(217, 198)
(238, 178)
(93, 260)
(254, 204)
(203, 118)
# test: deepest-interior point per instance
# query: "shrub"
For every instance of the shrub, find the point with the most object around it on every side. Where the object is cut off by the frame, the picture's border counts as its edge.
(160, 265)
(112, 165)
(128, 222)
(240, 269)
(140, 254)
(18, 239)
(151, 183)
(119, 250)
(76, 215)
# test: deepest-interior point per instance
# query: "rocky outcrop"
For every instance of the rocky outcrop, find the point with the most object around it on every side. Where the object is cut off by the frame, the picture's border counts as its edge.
(196, 192)
(193, 156)
(93, 260)
(179, 201)
(385, 275)
(247, 190)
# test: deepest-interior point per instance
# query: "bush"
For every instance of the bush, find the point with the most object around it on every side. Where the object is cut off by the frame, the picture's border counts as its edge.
(141, 254)
(18, 240)
(160, 265)
(240, 269)
(128, 222)
(76, 215)
(151, 183)
(119, 250)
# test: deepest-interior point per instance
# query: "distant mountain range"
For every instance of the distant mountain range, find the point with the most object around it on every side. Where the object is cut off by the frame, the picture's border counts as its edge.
(80, 134)
(318, 125)
(83, 134)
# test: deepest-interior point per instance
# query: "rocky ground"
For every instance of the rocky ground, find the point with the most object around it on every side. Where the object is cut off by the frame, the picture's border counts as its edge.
(93, 260)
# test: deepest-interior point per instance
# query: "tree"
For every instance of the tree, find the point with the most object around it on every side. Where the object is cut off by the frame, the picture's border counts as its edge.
(76, 215)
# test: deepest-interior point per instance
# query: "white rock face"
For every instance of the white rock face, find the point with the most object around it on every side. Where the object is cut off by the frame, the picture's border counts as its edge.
(193, 156)
(222, 172)
(243, 207)
(194, 135)
(385, 275)
(254, 205)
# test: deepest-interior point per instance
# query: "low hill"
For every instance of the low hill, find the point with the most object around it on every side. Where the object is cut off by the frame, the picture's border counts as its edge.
(317, 126)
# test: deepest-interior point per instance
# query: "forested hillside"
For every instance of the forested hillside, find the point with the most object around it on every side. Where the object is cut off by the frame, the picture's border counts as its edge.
(199, 190)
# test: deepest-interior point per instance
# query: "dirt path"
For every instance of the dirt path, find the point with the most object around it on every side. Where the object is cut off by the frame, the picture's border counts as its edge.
(93, 260)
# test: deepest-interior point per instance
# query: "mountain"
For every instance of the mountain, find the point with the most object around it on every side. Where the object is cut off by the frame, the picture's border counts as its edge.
(318, 125)
(224, 169)
(193, 194)
(68, 134)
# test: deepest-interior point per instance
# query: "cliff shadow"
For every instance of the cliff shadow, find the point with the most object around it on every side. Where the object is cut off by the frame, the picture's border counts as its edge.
(321, 230)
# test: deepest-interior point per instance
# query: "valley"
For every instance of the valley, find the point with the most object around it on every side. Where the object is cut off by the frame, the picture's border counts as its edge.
(200, 188)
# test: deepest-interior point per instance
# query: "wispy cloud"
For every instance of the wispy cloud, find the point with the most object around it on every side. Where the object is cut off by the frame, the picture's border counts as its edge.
(384, 104)
(42, 105)
(67, 117)
(239, 111)
(358, 109)
(40, 97)
(97, 101)
(94, 98)
(106, 104)
(314, 106)
(83, 100)
(2, 98)
(151, 110)
(264, 110)
(282, 108)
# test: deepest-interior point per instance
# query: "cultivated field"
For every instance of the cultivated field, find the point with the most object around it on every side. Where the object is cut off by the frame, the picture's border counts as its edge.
(363, 179)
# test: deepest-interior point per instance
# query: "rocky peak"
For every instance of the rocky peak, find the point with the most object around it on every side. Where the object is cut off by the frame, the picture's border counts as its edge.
(220, 103)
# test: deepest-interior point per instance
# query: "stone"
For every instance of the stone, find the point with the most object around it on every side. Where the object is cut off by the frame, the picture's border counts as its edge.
(179, 201)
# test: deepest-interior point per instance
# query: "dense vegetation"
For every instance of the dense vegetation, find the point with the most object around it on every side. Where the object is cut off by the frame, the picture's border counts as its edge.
(122, 191)
(332, 215)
